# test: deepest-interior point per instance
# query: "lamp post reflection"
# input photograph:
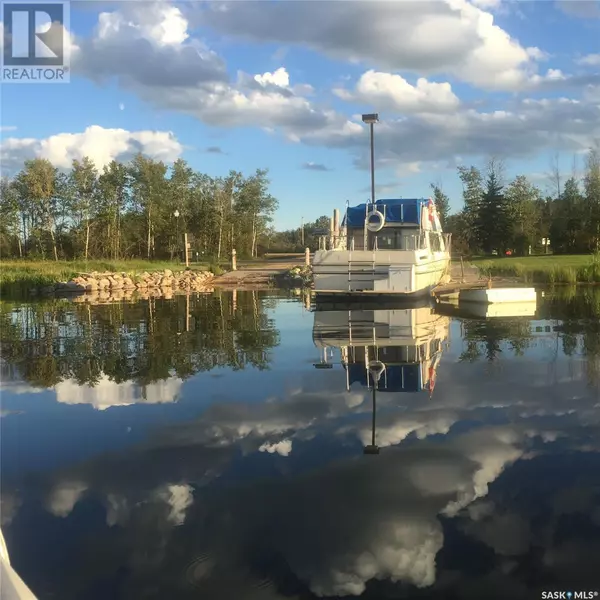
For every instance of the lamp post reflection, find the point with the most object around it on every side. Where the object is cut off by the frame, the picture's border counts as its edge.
(376, 369)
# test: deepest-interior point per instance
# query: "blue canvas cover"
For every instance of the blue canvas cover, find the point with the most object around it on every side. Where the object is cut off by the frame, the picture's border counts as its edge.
(400, 378)
(401, 210)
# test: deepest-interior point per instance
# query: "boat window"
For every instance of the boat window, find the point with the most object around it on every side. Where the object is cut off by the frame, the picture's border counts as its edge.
(399, 239)
(388, 240)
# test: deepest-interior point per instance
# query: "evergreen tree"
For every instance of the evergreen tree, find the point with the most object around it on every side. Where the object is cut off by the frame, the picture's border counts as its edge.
(493, 219)
(442, 203)
(472, 196)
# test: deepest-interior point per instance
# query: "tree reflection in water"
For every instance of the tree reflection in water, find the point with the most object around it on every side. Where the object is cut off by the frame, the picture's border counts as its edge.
(44, 343)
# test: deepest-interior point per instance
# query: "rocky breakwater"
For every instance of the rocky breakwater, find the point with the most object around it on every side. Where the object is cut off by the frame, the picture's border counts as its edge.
(94, 283)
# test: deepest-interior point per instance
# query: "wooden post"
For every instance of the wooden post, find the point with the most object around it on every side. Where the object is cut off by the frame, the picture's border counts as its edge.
(187, 250)
(462, 270)
(307, 257)
(307, 300)
(187, 312)
(233, 260)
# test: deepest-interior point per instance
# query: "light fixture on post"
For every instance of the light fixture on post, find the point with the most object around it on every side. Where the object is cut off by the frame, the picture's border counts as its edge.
(371, 119)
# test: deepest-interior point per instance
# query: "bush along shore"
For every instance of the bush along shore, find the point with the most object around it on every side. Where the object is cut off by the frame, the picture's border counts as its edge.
(110, 282)
(297, 277)
(544, 274)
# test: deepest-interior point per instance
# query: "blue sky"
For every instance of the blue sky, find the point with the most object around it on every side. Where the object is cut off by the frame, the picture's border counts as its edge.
(282, 84)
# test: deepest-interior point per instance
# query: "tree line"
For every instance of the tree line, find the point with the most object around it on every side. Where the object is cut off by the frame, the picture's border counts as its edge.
(141, 209)
(137, 209)
(516, 216)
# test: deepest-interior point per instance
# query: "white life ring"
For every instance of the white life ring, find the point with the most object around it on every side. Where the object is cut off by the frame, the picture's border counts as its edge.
(375, 226)
(376, 368)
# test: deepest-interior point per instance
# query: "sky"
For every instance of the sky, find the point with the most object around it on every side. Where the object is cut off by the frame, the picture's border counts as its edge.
(282, 85)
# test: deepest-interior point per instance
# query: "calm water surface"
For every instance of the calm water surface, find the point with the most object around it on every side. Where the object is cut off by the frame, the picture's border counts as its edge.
(221, 446)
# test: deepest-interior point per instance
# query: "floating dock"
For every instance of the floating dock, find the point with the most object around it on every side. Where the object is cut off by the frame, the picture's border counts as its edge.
(498, 295)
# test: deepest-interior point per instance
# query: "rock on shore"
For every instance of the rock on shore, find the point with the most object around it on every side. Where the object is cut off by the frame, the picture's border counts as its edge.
(298, 277)
(111, 282)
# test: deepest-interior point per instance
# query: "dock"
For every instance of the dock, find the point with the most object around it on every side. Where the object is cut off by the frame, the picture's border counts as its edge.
(466, 278)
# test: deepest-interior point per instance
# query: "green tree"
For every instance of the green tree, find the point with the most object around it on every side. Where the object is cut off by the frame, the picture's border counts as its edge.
(591, 185)
(472, 182)
(567, 229)
(493, 218)
(442, 203)
(38, 183)
(523, 203)
(9, 217)
(149, 190)
(83, 183)
(113, 186)
(256, 206)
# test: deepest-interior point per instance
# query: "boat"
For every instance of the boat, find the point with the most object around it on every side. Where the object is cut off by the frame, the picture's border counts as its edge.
(390, 247)
(404, 345)
(12, 586)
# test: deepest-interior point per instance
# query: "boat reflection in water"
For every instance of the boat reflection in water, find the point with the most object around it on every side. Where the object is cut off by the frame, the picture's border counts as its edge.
(385, 350)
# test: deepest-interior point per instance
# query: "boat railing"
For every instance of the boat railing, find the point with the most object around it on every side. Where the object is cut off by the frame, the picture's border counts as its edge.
(437, 242)
(339, 242)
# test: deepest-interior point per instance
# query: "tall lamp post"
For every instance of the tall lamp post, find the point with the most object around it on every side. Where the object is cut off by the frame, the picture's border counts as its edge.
(176, 215)
(376, 369)
(371, 119)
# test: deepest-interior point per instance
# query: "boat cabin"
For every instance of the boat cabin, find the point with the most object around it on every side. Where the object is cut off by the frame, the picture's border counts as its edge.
(390, 224)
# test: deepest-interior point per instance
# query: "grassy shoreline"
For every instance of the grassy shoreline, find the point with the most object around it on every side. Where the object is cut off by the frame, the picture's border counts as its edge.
(547, 269)
(18, 277)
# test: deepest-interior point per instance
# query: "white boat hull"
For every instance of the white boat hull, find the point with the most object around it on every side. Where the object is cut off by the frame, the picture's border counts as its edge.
(393, 272)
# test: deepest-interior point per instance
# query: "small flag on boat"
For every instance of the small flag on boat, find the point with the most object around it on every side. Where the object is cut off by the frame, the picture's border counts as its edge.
(431, 207)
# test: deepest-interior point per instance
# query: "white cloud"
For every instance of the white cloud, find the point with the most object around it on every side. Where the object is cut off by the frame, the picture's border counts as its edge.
(313, 166)
(530, 127)
(179, 498)
(10, 503)
(147, 47)
(8, 128)
(19, 387)
(591, 94)
(107, 393)
(487, 4)
(453, 37)
(117, 510)
(283, 448)
(100, 144)
(64, 496)
(591, 60)
(582, 9)
(392, 92)
(145, 44)
(552, 75)
(392, 432)
(280, 78)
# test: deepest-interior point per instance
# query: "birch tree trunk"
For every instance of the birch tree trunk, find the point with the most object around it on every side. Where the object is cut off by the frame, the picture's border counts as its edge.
(87, 236)
(149, 238)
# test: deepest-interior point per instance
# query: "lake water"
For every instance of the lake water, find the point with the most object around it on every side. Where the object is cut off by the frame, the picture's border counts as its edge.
(220, 446)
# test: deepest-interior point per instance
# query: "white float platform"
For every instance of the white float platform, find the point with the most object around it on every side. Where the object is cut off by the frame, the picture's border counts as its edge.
(509, 309)
(498, 295)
